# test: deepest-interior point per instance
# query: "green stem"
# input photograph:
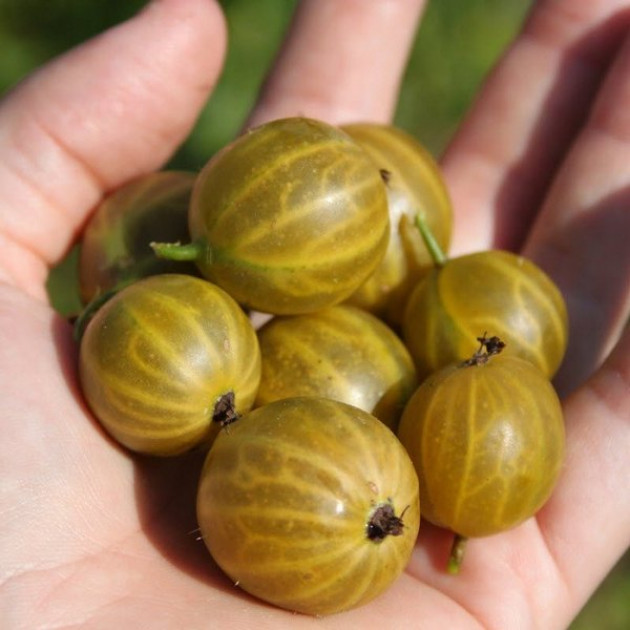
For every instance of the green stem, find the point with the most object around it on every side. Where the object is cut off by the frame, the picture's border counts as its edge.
(457, 554)
(194, 251)
(438, 255)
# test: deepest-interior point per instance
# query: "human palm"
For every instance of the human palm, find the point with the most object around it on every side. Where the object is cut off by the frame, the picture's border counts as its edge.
(94, 537)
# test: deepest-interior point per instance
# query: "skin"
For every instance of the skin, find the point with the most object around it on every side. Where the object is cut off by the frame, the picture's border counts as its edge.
(91, 537)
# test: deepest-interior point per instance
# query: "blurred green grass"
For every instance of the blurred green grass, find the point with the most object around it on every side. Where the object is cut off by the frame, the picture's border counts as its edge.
(457, 44)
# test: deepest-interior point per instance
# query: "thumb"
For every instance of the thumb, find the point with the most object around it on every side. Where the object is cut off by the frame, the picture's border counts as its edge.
(109, 110)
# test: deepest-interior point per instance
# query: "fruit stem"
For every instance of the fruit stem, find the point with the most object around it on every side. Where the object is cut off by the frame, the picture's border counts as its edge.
(438, 255)
(457, 554)
(193, 251)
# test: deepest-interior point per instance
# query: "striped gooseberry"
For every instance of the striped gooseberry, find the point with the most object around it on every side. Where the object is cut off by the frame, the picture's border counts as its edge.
(166, 361)
(115, 244)
(488, 290)
(289, 218)
(487, 439)
(309, 504)
(341, 352)
(414, 185)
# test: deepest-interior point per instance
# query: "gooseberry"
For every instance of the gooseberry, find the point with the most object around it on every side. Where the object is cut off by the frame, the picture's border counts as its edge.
(341, 352)
(168, 360)
(414, 185)
(115, 244)
(487, 439)
(488, 290)
(291, 217)
(309, 504)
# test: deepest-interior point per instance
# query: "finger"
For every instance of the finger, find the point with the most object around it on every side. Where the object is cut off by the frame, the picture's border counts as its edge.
(503, 158)
(581, 235)
(111, 109)
(587, 520)
(341, 61)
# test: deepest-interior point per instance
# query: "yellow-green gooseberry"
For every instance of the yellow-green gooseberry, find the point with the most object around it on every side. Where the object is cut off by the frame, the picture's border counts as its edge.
(491, 290)
(487, 439)
(341, 352)
(309, 504)
(414, 185)
(167, 361)
(289, 218)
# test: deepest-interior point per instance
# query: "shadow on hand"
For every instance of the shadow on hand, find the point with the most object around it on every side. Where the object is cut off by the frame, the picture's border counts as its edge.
(165, 490)
(589, 259)
(576, 80)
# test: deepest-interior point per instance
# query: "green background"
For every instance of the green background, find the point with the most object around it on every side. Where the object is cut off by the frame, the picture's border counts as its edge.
(457, 43)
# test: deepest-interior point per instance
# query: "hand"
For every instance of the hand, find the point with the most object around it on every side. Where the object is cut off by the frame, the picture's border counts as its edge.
(92, 536)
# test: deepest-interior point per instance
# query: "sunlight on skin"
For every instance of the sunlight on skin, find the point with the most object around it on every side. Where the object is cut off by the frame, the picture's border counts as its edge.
(331, 39)
(94, 537)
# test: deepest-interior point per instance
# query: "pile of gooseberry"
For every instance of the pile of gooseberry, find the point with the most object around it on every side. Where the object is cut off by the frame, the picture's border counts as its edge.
(384, 374)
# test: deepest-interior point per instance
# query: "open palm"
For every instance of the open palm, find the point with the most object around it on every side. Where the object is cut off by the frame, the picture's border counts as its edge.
(93, 537)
